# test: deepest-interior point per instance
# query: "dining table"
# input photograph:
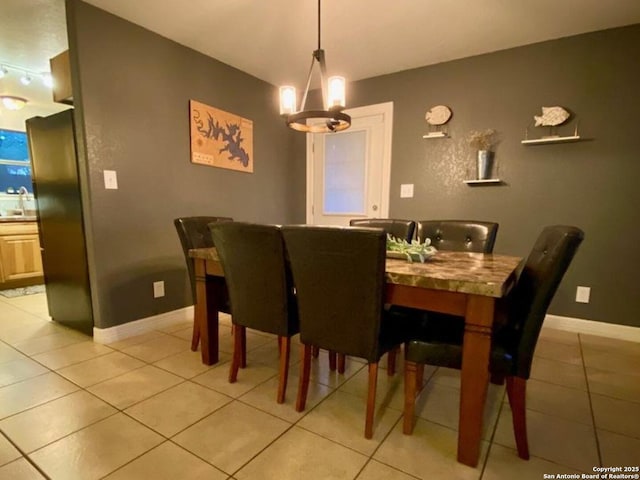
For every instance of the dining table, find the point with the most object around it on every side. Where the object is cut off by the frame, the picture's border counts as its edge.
(464, 284)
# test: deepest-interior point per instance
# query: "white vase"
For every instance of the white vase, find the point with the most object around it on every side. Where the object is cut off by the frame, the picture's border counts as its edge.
(485, 164)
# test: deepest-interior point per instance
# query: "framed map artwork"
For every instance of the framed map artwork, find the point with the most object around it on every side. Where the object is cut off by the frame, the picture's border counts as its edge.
(220, 139)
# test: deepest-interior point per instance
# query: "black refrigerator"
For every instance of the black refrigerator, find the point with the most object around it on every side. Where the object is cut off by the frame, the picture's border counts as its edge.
(56, 186)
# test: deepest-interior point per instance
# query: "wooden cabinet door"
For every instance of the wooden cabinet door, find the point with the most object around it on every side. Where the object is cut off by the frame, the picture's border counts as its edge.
(20, 257)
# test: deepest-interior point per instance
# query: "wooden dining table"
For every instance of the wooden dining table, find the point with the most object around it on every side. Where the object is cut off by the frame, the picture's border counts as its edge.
(459, 283)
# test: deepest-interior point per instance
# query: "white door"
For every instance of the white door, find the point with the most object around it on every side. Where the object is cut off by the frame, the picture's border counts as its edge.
(348, 172)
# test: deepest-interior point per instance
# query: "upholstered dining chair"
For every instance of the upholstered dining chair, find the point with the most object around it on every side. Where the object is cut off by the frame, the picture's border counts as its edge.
(400, 229)
(459, 235)
(515, 341)
(194, 233)
(339, 276)
(260, 289)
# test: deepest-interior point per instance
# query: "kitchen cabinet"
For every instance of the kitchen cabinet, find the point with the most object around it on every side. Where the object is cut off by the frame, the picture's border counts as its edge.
(20, 258)
(61, 73)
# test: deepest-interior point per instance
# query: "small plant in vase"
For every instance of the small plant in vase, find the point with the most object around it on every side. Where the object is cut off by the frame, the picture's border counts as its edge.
(484, 141)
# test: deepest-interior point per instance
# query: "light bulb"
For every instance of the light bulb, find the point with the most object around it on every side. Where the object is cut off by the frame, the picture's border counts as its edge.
(25, 79)
(287, 100)
(3, 71)
(336, 92)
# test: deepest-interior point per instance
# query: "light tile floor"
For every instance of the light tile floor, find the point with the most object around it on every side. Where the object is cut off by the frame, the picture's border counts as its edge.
(146, 407)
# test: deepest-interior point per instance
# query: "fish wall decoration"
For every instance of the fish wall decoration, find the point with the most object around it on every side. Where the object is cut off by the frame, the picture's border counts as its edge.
(551, 116)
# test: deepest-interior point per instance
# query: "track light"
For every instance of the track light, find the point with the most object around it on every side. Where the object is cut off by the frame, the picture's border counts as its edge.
(26, 75)
(47, 80)
(25, 79)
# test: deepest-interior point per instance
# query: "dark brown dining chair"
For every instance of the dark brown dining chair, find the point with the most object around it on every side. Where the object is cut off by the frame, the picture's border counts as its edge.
(339, 276)
(400, 229)
(260, 289)
(515, 341)
(194, 233)
(459, 235)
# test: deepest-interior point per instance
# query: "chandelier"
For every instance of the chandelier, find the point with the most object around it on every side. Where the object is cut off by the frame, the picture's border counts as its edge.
(331, 119)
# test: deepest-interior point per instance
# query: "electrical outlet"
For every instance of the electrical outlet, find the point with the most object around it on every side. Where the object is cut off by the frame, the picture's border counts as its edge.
(158, 289)
(582, 294)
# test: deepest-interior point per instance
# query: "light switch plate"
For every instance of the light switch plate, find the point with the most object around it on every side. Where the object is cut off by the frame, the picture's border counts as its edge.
(583, 294)
(158, 289)
(110, 180)
(406, 190)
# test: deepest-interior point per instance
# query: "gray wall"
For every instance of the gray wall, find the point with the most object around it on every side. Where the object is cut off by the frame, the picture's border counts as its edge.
(132, 90)
(592, 184)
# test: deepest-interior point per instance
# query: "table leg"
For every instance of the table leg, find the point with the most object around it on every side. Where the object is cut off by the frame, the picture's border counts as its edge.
(475, 376)
(206, 312)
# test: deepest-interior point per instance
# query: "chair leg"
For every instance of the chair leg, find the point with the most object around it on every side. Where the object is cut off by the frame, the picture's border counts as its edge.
(517, 392)
(391, 361)
(332, 361)
(285, 349)
(341, 363)
(243, 335)
(410, 391)
(237, 354)
(305, 370)
(195, 337)
(371, 400)
(315, 351)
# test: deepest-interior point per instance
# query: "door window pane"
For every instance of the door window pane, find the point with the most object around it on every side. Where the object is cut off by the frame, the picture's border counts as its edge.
(345, 173)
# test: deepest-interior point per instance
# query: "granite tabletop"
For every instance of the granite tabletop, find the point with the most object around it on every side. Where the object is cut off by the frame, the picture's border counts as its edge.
(476, 273)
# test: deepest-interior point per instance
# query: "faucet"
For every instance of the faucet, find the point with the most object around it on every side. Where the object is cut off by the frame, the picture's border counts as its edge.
(22, 192)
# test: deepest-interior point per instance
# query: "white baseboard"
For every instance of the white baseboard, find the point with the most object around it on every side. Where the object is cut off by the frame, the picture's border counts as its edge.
(164, 320)
(144, 325)
(579, 325)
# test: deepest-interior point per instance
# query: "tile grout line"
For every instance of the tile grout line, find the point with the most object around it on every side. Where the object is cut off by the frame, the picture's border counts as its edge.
(25, 456)
(593, 417)
(493, 435)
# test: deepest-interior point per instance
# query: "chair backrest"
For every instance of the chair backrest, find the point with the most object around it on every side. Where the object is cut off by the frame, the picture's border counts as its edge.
(257, 276)
(400, 229)
(459, 235)
(537, 284)
(338, 273)
(194, 233)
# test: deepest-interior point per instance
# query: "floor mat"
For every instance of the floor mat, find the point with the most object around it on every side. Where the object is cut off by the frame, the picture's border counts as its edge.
(19, 292)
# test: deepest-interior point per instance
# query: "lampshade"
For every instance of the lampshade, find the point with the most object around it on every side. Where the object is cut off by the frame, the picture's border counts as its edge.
(287, 100)
(13, 103)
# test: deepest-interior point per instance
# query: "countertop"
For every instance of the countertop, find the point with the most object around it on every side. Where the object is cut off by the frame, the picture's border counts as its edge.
(18, 218)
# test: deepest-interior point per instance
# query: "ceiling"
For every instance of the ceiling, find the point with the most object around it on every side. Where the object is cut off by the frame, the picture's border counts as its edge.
(273, 39)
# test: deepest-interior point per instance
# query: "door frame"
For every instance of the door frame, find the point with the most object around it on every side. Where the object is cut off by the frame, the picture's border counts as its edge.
(384, 109)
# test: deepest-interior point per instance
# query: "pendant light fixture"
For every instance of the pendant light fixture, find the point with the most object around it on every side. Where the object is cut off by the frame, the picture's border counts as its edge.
(331, 119)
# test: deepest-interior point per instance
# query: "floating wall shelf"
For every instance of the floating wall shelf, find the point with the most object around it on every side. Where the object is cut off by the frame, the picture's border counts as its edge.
(435, 135)
(487, 181)
(541, 141)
